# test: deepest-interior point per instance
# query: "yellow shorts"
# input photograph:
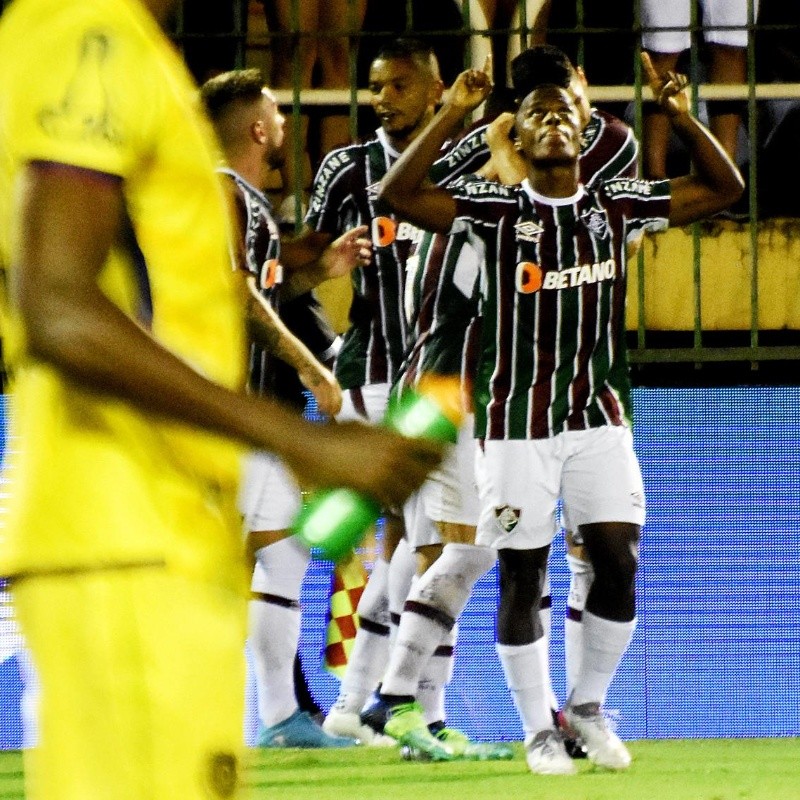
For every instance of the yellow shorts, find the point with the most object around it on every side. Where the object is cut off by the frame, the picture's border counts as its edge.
(142, 685)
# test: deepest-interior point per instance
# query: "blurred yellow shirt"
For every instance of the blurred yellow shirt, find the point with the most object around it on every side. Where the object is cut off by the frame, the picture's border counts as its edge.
(94, 482)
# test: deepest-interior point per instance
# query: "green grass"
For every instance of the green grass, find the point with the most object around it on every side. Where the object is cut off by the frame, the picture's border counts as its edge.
(701, 769)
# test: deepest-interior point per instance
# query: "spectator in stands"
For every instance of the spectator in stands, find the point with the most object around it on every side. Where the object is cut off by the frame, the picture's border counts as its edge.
(314, 34)
(727, 49)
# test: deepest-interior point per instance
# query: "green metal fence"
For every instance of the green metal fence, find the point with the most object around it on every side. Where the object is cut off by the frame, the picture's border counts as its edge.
(221, 35)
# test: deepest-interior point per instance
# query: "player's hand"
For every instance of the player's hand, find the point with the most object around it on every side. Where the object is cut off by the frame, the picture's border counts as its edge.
(506, 162)
(471, 87)
(372, 460)
(498, 131)
(669, 90)
(320, 381)
(344, 254)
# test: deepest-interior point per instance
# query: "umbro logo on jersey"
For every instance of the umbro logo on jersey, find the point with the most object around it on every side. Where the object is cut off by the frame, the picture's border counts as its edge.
(528, 231)
(507, 517)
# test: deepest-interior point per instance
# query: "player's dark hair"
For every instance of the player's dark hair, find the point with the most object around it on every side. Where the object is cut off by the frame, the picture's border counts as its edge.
(239, 85)
(539, 65)
(412, 49)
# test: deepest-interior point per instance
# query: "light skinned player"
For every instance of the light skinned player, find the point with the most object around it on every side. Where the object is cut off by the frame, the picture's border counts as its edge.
(251, 130)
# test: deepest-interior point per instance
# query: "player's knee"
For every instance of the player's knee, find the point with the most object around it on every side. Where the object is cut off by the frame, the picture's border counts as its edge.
(448, 583)
(374, 603)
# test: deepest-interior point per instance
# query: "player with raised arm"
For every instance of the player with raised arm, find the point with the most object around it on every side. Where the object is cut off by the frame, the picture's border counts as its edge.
(552, 389)
(441, 306)
(405, 87)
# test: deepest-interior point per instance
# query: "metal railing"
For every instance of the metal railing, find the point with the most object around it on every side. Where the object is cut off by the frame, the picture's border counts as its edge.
(240, 46)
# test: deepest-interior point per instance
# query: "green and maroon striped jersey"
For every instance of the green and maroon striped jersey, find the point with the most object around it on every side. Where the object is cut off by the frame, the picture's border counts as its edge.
(441, 289)
(553, 273)
(344, 195)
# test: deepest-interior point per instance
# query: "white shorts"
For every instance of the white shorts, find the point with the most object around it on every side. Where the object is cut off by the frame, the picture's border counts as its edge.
(365, 403)
(677, 14)
(595, 472)
(450, 494)
(270, 497)
(421, 530)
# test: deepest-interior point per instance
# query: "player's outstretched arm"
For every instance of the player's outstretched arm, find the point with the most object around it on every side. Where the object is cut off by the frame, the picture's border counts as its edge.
(67, 222)
(716, 183)
(403, 188)
(329, 259)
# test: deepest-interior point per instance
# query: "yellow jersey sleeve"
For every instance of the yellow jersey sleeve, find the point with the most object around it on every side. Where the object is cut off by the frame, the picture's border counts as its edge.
(75, 101)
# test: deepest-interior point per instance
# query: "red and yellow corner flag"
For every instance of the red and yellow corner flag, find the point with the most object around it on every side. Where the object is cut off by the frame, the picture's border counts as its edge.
(347, 583)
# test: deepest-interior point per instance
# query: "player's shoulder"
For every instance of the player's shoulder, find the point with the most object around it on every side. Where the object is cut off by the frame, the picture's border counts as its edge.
(621, 188)
(474, 186)
(607, 128)
(341, 157)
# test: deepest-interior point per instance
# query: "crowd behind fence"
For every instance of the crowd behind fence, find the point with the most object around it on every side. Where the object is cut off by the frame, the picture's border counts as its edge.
(316, 56)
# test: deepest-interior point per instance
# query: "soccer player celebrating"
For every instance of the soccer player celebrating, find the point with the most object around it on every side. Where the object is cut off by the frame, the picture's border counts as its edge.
(405, 88)
(552, 389)
(441, 305)
(251, 129)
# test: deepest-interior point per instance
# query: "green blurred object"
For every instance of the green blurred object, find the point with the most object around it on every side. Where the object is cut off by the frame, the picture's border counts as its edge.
(333, 522)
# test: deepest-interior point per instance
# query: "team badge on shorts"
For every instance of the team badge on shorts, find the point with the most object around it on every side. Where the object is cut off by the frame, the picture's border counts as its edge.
(507, 517)
(223, 774)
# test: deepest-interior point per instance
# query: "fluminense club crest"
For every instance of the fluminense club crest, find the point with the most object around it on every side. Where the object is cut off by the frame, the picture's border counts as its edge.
(595, 220)
(507, 517)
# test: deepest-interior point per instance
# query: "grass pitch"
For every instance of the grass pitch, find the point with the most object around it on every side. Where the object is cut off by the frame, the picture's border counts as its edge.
(696, 769)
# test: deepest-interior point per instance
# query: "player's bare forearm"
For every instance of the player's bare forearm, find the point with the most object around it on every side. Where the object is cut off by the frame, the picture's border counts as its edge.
(269, 330)
(67, 225)
(716, 182)
(403, 187)
(339, 257)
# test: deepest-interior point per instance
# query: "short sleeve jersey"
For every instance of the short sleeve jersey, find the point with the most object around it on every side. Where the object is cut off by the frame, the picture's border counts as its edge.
(552, 353)
(345, 195)
(96, 86)
(442, 287)
(259, 254)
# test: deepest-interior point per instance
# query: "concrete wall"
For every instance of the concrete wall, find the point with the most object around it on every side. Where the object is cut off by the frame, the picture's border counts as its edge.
(725, 283)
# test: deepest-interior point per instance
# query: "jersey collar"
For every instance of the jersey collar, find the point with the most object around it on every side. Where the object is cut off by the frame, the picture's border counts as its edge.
(387, 146)
(551, 201)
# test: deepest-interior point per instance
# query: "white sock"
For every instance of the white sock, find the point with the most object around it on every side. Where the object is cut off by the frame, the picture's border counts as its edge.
(402, 571)
(440, 596)
(417, 638)
(528, 678)
(435, 676)
(581, 577)
(274, 626)
(546, 619)
(370, 652)
(604, 644)
(273, 634)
